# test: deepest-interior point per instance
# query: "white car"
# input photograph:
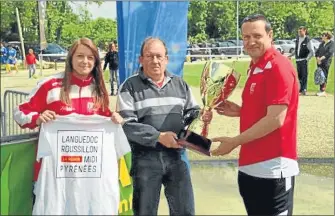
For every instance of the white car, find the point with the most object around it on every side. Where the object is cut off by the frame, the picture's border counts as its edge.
(315, 44)
(278, 47)
(287, 45)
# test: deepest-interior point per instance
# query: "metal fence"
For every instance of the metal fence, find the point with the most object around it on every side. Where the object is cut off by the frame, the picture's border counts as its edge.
(9, 127)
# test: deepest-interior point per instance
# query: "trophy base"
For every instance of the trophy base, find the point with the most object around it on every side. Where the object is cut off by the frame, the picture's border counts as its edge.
(195, 142)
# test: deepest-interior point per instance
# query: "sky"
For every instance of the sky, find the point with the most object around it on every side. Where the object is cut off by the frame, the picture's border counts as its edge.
(106, 10)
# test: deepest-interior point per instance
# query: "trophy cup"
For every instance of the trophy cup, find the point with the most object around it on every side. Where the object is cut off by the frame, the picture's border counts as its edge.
(217, 83)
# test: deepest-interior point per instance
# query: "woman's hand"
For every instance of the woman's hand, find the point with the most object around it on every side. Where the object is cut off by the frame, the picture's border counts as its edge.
(46, 116)
(117, 119)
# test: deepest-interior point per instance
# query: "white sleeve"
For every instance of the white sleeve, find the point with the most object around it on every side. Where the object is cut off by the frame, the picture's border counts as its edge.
(121, 143)
(43, 148)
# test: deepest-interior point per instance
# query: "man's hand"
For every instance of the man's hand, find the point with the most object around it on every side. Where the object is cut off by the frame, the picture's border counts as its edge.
(46, 116)
(117, 118)
(168, 139)
(228, 108)
(206, 115)
(227, 144)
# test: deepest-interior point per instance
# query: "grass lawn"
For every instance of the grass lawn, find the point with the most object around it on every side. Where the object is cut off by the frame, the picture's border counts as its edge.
(193, 72)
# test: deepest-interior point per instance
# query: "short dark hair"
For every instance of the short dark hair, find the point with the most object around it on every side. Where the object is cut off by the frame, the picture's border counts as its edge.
(327, 34)
(148, 39)
(256, 17)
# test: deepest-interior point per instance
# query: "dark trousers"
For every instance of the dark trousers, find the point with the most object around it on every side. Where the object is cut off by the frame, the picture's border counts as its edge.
(264, 196)
(302, 68)
(152, 169)
(325, 69)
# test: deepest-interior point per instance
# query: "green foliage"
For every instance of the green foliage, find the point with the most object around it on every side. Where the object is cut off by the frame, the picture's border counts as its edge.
(285, 16)
(62, 24)
(206, 19)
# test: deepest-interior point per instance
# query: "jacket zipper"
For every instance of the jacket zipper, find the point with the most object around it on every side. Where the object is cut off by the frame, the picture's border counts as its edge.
(80, 108)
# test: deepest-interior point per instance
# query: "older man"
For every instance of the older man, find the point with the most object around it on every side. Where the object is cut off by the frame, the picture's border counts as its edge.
(156, 106)
(268, 125)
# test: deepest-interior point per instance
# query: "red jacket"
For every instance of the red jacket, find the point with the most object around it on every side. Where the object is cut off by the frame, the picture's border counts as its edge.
(30, 59)
(46, 97)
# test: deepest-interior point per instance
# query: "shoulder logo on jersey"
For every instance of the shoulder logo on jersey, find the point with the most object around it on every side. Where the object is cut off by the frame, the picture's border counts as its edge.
(257, 70)
(268, 65)
(66, 108)
(56, 84)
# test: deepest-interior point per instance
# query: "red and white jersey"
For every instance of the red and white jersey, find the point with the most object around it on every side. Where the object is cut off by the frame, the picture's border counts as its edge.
(271, 81)
(46, 96)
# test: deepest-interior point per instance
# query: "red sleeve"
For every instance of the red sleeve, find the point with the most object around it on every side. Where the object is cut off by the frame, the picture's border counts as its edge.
(28, 112)
(279, 84)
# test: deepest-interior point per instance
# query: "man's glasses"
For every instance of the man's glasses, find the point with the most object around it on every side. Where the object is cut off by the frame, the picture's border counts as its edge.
(152, 57)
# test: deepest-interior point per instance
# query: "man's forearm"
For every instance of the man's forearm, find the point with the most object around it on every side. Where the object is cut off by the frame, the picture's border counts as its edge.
(141, 134)
(260, 129)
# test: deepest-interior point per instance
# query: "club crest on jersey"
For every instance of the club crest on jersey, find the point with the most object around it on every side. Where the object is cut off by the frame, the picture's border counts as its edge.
(252, 88)
(90, 106)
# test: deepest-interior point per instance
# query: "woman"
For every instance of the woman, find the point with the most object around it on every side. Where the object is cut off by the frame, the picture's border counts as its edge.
(80, 89)
(324, 58)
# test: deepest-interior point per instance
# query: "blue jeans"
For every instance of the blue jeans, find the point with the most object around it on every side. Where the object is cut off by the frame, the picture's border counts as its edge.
(151, 169)
(114, 76)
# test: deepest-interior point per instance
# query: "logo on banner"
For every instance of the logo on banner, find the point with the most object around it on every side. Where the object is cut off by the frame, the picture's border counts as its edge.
(175, 48)
(79, 154)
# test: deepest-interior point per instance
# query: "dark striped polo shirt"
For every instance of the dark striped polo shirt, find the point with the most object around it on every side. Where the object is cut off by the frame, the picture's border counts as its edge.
(149, 109)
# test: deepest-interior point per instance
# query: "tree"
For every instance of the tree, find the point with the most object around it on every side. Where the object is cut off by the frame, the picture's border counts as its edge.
(197, 20)
(221, 20)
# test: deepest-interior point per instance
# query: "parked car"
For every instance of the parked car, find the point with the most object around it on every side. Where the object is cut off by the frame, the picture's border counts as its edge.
(51, 48)
(287, 46)
(227, 48)
(195, 49)
(316, 43)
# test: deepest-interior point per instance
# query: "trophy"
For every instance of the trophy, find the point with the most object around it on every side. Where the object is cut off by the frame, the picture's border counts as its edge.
(217, 83)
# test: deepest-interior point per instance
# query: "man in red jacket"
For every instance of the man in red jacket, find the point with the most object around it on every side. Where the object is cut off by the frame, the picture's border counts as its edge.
(268, 125)
(31, 63)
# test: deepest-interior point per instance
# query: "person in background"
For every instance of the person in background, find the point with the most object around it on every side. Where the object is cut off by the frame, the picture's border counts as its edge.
(112, 59)
(303, 52)
(268, 125)
(324, 56)
(11, 60)
(31, 63)
(3, 54)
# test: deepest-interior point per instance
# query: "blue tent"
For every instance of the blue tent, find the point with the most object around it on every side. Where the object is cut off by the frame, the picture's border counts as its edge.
(139, 20)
